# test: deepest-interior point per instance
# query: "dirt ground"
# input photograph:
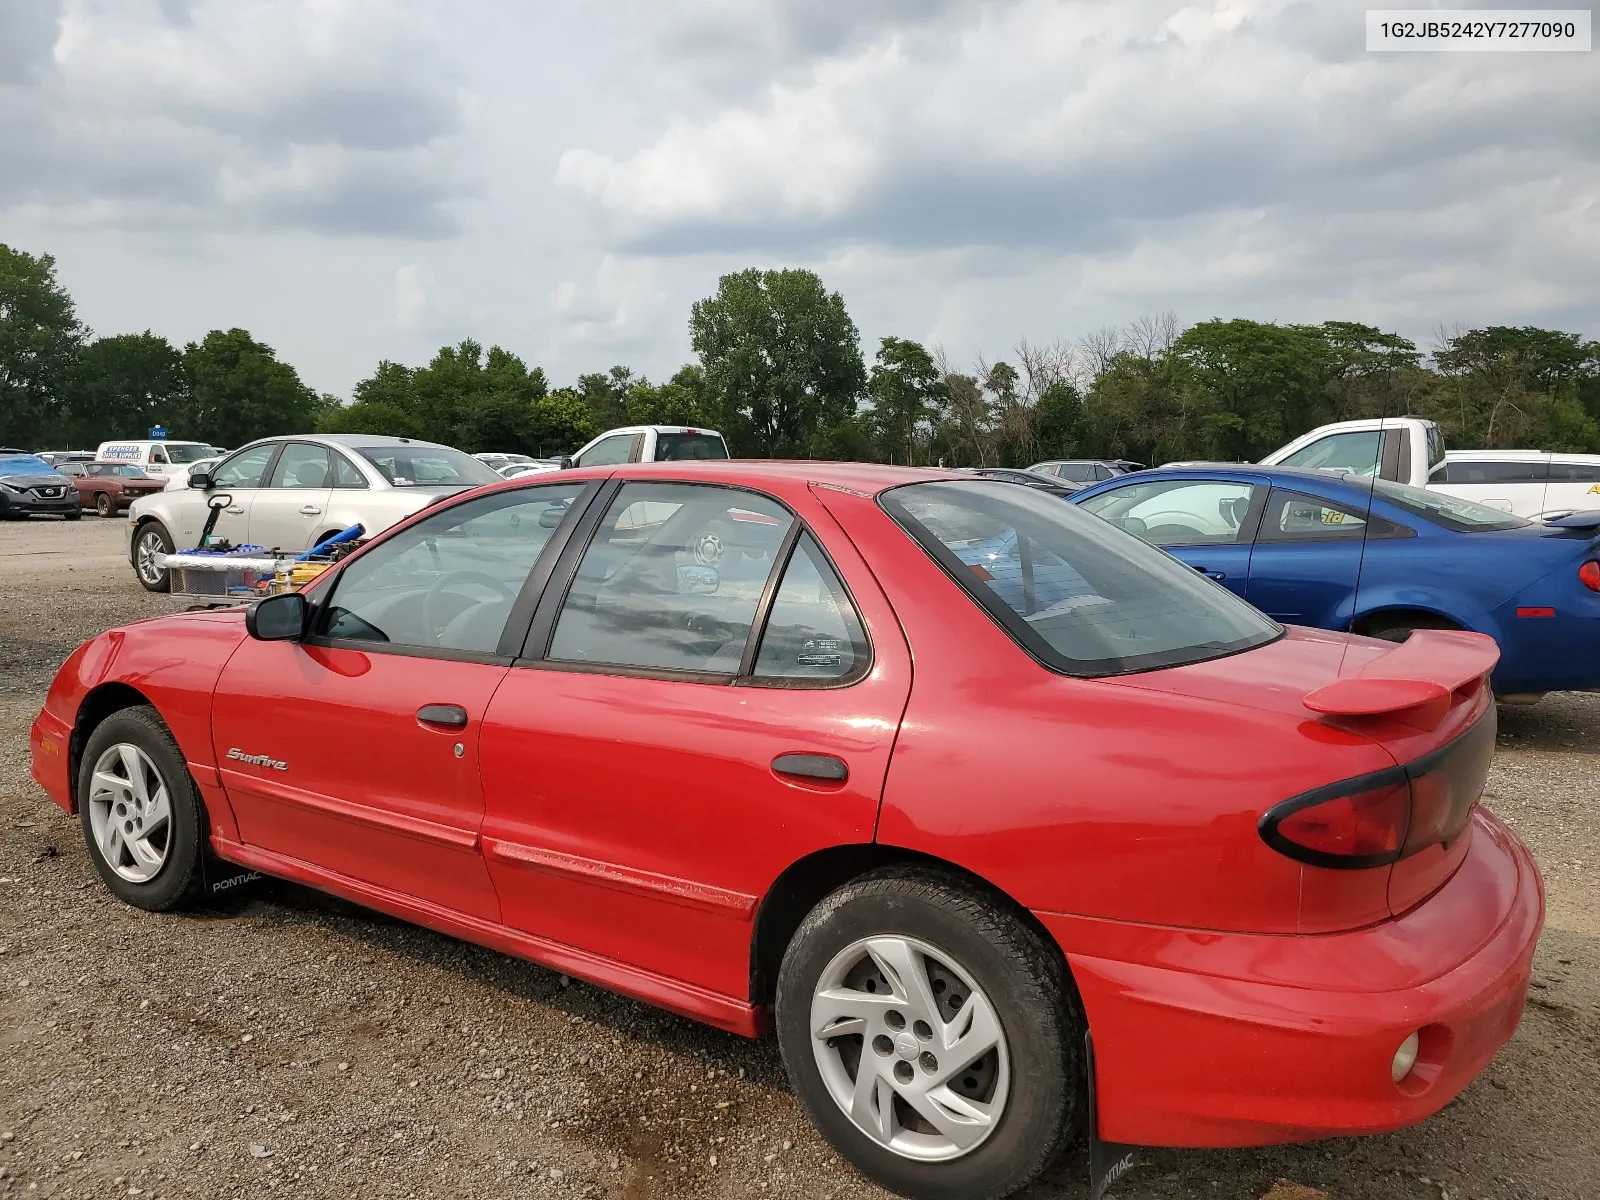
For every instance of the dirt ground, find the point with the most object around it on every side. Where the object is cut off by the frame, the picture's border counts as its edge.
(283, 1042)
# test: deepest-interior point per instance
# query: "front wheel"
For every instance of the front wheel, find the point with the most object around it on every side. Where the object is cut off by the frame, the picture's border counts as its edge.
(148, 541)
(75, 515)
(932, 1036)
(103, 505)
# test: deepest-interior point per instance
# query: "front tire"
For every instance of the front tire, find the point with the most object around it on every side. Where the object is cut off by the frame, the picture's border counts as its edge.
(75, 515)
(103, 505)
(148, 541)
(142, 817)
(964, 1019)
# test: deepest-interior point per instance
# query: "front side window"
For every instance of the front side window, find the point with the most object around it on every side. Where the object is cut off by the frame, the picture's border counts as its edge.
(1079, 595)
(607, 452)
(157, 454)
(245, 469)
(448, 583)
(1181, 512)
(1359, 453)
(679, 447)
(417, 465)
(813, 632)
(671, 580)
(1452, 512)
(303, 465)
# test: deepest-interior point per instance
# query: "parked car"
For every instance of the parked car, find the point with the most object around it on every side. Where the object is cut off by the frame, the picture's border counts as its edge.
(648, 443)
(59, 458)
(536, 467)
(108, 488)
(1028, 478)
(156, 458)
(290, 493)
(1401, 449)
(1085, 470)
(750, 808)
(30, 486)
(1312, 548)
(1530, 483)
(498, 462)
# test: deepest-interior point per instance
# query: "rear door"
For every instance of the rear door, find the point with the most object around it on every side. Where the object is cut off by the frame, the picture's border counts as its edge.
(1207, 523)
(1306, 564)
(655, 761)
(292, 509)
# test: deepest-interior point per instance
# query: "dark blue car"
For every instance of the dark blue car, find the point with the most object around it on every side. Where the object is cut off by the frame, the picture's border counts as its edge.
(1313, 548)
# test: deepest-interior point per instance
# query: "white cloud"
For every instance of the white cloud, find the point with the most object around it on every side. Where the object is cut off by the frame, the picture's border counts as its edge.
(410, 296)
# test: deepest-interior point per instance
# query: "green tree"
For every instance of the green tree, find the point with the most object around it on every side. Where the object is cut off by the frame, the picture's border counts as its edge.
(1059, 420)
(383, 403)
(39, 341)
(1503, 387)
(1256, 385)
(679, 401)
(605, 394)
(239, 391)
(562, 423)
(906, 389)
(782, 359)
(125, 384)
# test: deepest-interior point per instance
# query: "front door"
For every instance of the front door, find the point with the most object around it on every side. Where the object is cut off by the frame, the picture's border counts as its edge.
(239, 477)
(1307, 560)
(1207, 523)
(358, 750)
(651, 768)
(292, 509)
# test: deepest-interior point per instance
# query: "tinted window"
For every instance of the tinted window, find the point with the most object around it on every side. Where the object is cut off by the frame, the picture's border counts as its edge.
(415, 465)
(448, 582)
(1572, 472)
(1076, 593)
(1472, 470)
(1452, 512)
(244, 469)
(1435, 447)
(1354, 452)
(680, 446)
(345, 474)
(1295, 517)
(1182, 512)
(1076, 472)
(607, 452)
(1101, 471)
(73, 469)
(813, 631)
(302, 465)
(671, 579)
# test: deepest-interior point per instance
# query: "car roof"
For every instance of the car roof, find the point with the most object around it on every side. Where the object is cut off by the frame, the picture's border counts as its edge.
(862, 478)
(366, 440)
(1287, 476)
(1518, 456)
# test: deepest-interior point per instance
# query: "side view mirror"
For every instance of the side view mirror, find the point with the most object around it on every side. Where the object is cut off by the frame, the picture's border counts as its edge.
(563, 462)
(201, 480)
(278, 618)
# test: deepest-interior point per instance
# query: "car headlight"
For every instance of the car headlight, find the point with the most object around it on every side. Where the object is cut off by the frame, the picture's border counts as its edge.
(6, 487)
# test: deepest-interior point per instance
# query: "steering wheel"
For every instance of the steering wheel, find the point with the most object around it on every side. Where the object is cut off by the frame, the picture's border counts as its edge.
(430, 602)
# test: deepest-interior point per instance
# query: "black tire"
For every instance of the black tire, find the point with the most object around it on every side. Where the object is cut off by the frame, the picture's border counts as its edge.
(103, 505)
(1026, 981)
(1397, 627)
(180, 874)
(75, 515)
(155, 533)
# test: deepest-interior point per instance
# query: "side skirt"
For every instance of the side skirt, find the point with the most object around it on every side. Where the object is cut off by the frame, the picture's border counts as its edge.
(724, 1012)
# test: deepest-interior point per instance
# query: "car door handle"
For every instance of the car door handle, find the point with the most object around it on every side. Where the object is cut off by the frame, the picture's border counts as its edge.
(236, 510)
(1219, 576)
(442, 716)
(812, 766)
(309, 510)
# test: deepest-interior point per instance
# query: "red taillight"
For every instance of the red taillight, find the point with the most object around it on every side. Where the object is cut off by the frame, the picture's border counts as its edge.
(1590, 574)
(1378, 819)
(1363, 829)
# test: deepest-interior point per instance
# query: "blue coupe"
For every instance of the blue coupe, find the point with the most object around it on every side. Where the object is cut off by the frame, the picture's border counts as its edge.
(1340, 552)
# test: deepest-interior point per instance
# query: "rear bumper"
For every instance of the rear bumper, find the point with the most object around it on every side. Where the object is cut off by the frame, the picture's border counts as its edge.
(50, 741)
(1221, 1039)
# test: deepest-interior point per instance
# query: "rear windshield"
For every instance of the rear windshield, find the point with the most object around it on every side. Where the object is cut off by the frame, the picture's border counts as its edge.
(427, 466)
(1452, 512)
(672, 447)
(1080, 595)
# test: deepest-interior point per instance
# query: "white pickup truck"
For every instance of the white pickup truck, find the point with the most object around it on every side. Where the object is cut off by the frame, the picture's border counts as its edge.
(1529, 483)
(648, 443)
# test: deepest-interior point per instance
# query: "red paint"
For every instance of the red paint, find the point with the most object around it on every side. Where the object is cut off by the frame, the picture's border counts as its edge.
(627, 830)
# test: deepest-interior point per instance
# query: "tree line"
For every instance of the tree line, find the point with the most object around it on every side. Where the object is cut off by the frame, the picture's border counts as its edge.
(780, 371)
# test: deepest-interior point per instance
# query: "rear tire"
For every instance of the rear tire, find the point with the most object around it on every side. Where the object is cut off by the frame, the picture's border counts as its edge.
(1398, 627)
(1002, 1117)
(103, 505)
(148, 540)
(142, 816)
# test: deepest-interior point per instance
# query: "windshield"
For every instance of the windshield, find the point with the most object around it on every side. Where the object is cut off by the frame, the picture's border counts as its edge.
(1078, 594)
(675, 447)
(427, 466)
(25, 464)
(1452, 512)
(188, 452)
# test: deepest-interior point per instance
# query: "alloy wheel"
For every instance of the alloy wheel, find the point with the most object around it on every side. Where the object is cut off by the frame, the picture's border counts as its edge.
(150, 545)
(910, 1048)
(130, 812)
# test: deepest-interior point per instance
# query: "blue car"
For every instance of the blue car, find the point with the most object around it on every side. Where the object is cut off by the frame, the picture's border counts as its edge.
(1340, 552)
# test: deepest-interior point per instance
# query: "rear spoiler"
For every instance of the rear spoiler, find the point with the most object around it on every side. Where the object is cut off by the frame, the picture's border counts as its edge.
(1417, 677)
(1576, 520)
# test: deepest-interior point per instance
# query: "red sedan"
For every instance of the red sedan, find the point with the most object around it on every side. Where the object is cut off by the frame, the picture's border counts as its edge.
(946, 779)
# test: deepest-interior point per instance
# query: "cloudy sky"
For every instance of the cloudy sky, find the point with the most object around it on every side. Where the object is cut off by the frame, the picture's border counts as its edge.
(362, 179)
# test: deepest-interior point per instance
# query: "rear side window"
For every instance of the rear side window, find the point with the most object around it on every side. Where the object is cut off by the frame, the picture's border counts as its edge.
(676, 447)
(1572, 472)
(1078, 594)
(1471, 470)
(303, 465)
(345, 474)
(1296, 517)
(813, 633)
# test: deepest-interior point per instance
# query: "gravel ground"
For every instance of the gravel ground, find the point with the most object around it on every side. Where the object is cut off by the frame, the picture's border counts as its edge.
(287, 1042)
